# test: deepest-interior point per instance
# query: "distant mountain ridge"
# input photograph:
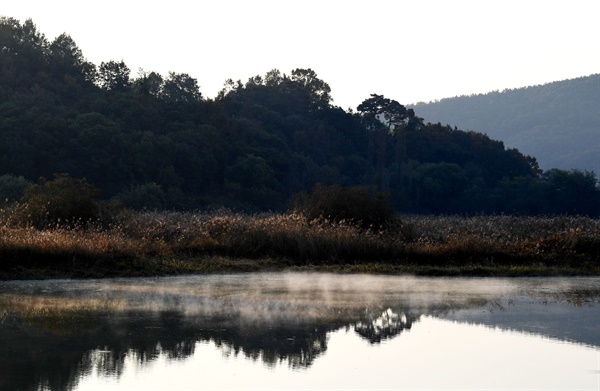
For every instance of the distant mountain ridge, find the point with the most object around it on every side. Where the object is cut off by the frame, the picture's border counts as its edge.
(557, 123)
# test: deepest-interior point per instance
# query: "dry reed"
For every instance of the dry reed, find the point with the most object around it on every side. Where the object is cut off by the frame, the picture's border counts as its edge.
(293, 240)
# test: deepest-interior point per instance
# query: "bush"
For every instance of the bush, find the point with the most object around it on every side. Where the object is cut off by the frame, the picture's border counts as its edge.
(12, 188)
(64, 201)
(351, 204)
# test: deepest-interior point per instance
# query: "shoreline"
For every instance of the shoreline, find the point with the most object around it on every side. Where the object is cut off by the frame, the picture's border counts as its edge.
(114, 268)
(175, 243)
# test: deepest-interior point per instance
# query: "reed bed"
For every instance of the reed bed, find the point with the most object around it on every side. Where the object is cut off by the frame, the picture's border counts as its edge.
(176, 242)
(555, 238)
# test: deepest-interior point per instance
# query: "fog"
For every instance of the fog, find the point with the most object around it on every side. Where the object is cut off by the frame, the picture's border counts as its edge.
(55, 333)
(285, 297)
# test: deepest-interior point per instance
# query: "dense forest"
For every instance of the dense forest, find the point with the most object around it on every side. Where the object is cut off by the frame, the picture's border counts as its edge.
(558, 123)
(154, 141)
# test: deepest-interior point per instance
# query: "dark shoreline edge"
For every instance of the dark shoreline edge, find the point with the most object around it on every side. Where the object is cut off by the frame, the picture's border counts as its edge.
(104, 267)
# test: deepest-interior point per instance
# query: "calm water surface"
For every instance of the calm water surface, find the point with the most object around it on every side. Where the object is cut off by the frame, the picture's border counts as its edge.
(300, 331)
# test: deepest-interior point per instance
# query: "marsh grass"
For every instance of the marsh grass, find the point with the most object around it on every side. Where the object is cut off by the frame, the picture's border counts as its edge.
(157, 243)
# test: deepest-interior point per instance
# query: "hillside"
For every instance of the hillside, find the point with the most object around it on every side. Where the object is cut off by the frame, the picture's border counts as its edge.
(558, 123)
(156, 142)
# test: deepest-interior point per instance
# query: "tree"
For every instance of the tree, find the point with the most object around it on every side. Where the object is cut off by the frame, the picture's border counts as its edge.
(229, 87)
(255, 81)
(149, 83)
(114, 76)
(67, 59)
(381, 116)
(12, 188)
(145, 196)
(440, 185)
(32, 38)
(61, 201)
(10, 32)
(318, 91)
(413, 122)
(574, 191)
(252, 181)
(273, 78)
(351, 204)
(181, 87)
(383, 110)
(27, 49)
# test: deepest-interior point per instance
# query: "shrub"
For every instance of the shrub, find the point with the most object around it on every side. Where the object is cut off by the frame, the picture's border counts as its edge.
(335, 203)
(62, 201)
(12, 188)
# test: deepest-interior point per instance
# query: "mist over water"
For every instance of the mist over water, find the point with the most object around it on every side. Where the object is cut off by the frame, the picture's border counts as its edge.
(299, 298)
(266, 295)
(274, 319)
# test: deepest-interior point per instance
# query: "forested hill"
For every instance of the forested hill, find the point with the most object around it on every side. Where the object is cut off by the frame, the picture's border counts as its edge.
(558, 123)
(155, 141)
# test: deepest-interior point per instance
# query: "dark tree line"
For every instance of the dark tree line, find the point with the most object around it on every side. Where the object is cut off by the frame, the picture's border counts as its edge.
(157, 142)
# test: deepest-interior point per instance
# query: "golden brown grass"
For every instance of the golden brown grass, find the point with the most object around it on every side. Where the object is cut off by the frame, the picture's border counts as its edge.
(176, 242)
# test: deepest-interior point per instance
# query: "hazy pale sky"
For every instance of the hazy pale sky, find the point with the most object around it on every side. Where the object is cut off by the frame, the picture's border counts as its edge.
(410, 51)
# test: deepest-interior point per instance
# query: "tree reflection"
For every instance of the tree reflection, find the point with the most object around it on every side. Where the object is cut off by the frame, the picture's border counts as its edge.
(37, 354)
(385, 326)
(298, 346)
(50, 342)
(54, 349)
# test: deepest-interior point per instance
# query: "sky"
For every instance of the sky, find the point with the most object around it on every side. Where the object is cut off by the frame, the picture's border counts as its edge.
(409, 51)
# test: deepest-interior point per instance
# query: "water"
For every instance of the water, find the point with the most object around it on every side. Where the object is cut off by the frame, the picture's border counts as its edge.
(300, 331)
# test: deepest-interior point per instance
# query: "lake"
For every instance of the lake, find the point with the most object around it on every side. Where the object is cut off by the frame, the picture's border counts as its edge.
(300, 331)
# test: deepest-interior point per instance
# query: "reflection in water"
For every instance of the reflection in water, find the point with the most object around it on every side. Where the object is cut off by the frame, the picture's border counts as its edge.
(387, 325)
(54, 333)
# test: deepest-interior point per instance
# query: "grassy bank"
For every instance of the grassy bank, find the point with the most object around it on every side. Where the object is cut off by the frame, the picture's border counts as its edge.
(165, 243)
